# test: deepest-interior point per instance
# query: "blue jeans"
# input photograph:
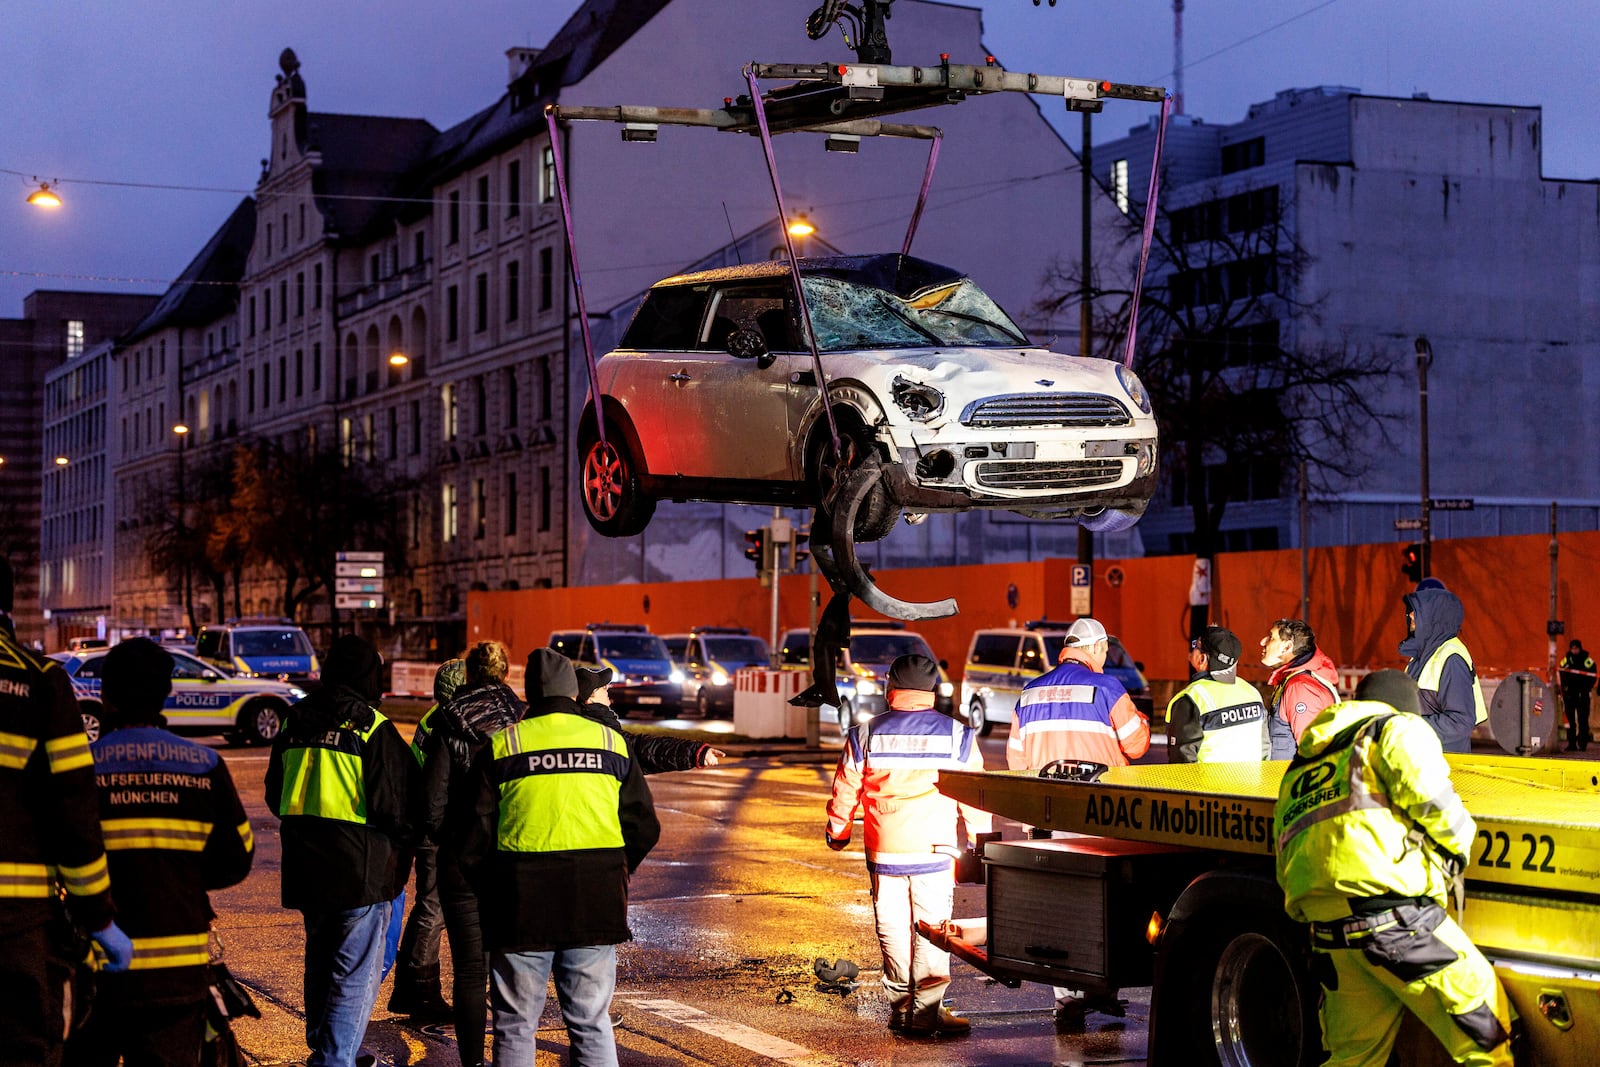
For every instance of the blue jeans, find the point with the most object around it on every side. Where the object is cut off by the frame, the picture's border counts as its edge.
(585, 979)
(344, 966)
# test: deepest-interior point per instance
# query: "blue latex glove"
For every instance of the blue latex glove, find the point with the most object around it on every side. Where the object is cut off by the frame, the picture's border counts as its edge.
(117, 946)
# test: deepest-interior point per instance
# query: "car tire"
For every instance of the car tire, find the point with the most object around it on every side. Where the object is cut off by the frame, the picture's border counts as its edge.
(608, 483)
(877, 515)
(93, 720)
(1112, 520)
(978, 717)
(261, 721)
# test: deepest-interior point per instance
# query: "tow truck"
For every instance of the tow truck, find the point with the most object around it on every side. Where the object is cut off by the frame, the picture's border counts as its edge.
(1164, 878)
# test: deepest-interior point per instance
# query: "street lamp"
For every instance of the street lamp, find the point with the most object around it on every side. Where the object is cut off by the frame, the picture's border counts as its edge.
(44, 196)
(398, 359)
(62, 461)
(1425, 357)
(182, 432)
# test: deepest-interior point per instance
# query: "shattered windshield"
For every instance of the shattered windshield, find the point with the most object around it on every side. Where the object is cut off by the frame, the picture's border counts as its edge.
(849, 315)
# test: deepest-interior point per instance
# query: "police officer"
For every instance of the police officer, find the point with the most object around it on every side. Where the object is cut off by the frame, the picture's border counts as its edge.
(565, 817)
(1371, 839)
(340, 778)
(1217, 717)
(174, 828)
(1452, 701)
(1577, 681)
(49, 838)
(888, 771)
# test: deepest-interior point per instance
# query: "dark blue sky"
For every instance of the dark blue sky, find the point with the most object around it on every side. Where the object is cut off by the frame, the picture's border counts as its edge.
(175, 92)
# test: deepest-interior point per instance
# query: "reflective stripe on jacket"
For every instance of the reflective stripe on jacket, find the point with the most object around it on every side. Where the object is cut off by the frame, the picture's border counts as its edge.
(323, 776)
(1429, 678)
(559, 777)
(1365, 810)
(1232, 720)
(1077, 713)
(889, 770)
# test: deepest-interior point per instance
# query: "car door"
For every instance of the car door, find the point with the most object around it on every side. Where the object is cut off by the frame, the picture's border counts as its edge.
(200, 695)
(731, 416)
(639, 374)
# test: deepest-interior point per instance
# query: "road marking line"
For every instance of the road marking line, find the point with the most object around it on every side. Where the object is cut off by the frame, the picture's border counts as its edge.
(736, 1034)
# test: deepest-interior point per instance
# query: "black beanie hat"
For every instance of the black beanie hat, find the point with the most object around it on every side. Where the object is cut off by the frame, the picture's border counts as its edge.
(591, 679)
(1391, 687)
(353, 663)
(135, 680)
(914, 672)
(549, 674)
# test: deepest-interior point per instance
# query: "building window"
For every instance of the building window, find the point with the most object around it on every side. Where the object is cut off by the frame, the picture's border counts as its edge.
(508, 395)
(252, 326)
(299, 372)
(511, 503)
(418, 247)
(483, 204)
(547, 280)
(480, 510)
(283, 378)
(301, 233)
(266, 308)
(480, 424)
(250, 391)
(283, 241)
(374, 266)
(74, 338)
(1244, 155)
(513, 188)
(546, 391)
(347, 441)
(283, 300)
(453, 218)
(481, 319)
(266, 386)
(416, 427)
(268, 249)
(544, 499)
(452, 313)
(416, 524)
(316, 285)
(447, 510)
(299, 294)
(393, 436)
(513, 290)
(447, 396)
(1119, 184)
(316, 367)
(547, 175)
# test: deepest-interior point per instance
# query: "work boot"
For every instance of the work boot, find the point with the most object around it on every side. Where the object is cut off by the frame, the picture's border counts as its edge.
(944, 1024)
(421, 1004)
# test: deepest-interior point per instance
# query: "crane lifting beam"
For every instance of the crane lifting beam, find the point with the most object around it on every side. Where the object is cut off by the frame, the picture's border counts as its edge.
(1538, 822)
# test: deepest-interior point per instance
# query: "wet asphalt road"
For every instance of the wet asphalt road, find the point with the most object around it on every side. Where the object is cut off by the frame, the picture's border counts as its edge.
(728, 913)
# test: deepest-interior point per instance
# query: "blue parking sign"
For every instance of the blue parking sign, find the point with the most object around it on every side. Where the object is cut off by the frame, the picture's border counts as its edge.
(1082, 575)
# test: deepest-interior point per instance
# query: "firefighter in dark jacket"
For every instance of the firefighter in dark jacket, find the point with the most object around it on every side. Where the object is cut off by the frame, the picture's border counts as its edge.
(49, 838)
(174, 828)
(1452, 702)
(340, 778)
(563, 819)
(468, 716)
(1577, 680)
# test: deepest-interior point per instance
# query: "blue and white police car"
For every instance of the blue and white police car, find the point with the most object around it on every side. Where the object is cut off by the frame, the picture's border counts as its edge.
(205, 699)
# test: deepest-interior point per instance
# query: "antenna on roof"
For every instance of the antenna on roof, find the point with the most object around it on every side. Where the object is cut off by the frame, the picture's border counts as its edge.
(731, 235)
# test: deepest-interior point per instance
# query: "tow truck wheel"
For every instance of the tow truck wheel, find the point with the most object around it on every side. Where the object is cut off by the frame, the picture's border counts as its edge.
(609, 484)
(261, 721)
(91, 720)
(1236, 989)
(978, 717)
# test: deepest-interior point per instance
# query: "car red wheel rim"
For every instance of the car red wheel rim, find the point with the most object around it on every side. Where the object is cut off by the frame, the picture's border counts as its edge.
(602, 480)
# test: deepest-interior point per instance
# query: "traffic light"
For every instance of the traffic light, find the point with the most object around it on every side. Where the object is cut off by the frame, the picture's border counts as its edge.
(756, 550)
(1411, 561)
(798, 552)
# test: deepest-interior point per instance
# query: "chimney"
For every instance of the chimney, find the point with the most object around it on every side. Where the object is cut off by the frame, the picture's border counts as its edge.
(518, 61)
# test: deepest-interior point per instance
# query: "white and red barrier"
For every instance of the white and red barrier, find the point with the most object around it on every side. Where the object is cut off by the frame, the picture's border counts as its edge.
(761, 705)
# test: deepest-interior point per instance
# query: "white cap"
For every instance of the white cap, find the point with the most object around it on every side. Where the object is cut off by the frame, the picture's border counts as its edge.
(1085, 632)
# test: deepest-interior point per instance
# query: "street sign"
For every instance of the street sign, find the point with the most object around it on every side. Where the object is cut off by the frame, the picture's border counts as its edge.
(1408, 524)
(1451, 504)
(1082, 589)
(1114, 577)
(358, 557)
(357, 601)
(358, 570)
(358, 585)
(1082, 574)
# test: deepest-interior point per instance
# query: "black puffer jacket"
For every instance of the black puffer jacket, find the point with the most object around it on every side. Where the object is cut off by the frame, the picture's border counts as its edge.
(461, 727)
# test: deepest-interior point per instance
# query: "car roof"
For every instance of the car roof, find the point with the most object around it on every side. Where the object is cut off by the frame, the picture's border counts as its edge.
(900, 274)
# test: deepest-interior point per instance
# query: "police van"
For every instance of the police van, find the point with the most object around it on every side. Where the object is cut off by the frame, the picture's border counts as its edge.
(259, 648)
(709, 657)
(205, 700)
(1001, 661)
(863, 666)
(642, 673)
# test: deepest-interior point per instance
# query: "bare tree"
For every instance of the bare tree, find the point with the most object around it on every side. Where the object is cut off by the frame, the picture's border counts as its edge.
(1234, 387)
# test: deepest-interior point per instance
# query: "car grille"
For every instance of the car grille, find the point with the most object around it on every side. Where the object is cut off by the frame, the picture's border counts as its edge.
(1046, 409)
(1062, 474)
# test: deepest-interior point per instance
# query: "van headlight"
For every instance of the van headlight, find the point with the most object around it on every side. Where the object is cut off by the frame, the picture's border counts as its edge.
(676, 677)
(946, 689)
(867, 687)
(719, 677)
(1135, 388)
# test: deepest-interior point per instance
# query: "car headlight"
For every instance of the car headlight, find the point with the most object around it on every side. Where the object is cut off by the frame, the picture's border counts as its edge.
(867, 687)
(719, 677)
(1130, 381)
(676, 677)
(296, 692)
(946, 689)
(919, 402)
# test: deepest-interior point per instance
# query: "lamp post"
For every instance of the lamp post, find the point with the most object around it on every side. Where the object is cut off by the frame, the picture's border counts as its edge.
(182, 432)
(1425, 357)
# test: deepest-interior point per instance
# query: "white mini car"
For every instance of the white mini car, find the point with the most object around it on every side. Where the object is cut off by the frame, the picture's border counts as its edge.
(712, 395)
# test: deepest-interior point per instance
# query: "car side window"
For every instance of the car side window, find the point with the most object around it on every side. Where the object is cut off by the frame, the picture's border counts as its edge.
(697, 655)
(669, 319)
(758, 308)
(184, 667)
(1033, 655)
(995, 650)
(796, 650)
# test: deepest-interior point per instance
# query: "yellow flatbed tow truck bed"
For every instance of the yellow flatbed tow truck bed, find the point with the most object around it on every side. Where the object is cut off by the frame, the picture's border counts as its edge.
(1533, 879)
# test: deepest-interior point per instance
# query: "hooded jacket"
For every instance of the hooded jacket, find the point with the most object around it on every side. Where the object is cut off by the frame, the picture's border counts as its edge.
(1366, 812)
(536, 785)
(1451, 708)
(461, 727)
(341, 778)
(1301, 689)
